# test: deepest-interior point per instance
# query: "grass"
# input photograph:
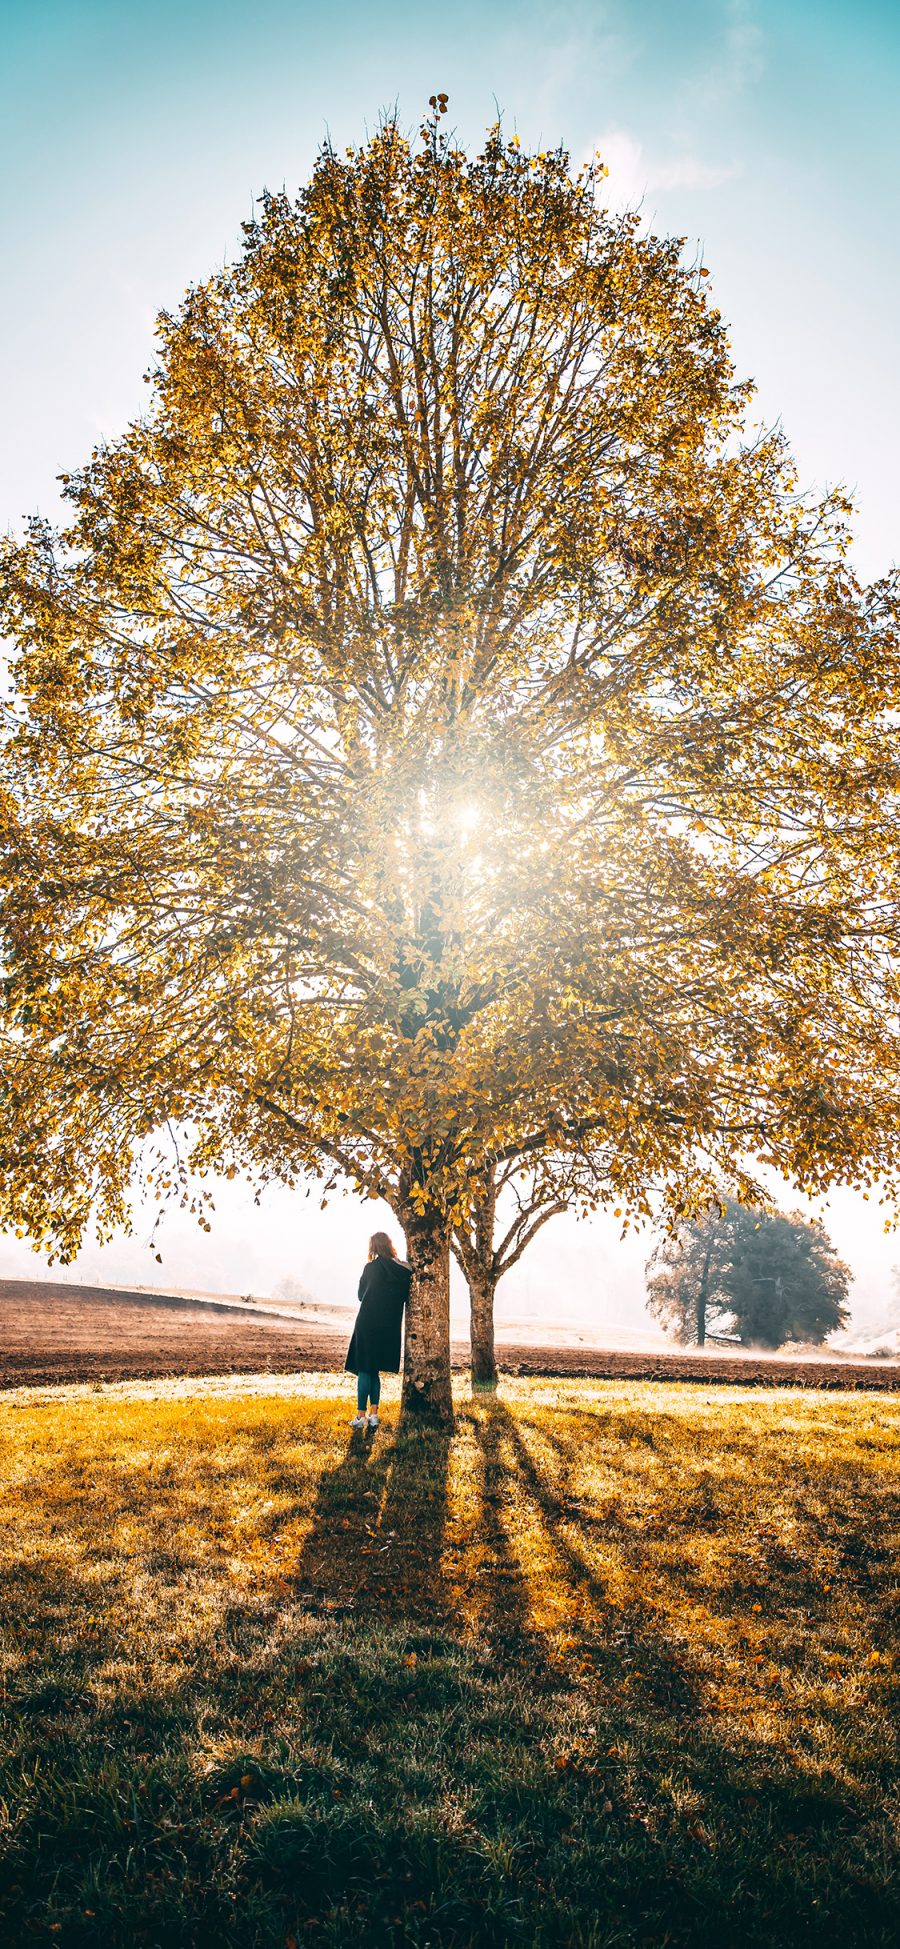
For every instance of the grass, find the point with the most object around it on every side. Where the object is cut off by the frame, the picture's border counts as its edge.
(611, 1665)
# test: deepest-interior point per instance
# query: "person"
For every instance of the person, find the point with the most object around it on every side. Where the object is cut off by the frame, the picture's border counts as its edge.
(375, 1345)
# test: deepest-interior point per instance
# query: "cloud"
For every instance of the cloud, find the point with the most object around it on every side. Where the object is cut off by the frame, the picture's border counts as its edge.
(737, 63)
(634, 174)
(564, 40)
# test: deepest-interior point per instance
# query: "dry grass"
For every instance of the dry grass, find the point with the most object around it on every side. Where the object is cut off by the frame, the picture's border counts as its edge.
(613, 1664)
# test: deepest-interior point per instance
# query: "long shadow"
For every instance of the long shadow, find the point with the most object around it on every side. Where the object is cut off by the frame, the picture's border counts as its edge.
(376, 1536)
(330, 1569)
(622, 1636)
(603, 1629)
(245, 1770)
(502, 1598)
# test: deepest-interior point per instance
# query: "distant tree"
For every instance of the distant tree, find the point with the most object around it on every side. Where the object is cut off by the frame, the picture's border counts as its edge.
(763, 1277)
(682, 1279)
(786, 1279)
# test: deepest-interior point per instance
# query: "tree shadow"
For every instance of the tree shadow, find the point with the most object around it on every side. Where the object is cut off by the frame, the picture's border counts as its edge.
(495, 1729)
(652, 1674)
(376, 1535)
(597, 1623)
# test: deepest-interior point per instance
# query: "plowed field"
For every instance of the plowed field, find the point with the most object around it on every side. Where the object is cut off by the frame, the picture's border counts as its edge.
(53, 1331)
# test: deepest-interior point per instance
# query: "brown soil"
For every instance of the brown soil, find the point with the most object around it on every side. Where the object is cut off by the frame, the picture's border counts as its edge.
(54, 1332)
(717, 1368)
(59, 1332)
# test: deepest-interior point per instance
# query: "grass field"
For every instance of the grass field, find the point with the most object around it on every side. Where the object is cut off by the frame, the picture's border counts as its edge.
(612, 1664)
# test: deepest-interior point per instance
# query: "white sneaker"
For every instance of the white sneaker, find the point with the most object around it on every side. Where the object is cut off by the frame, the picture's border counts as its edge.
(359, 1421)
(373, 1420)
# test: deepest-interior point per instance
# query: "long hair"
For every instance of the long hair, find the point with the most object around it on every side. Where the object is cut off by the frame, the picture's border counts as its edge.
(381, 1247)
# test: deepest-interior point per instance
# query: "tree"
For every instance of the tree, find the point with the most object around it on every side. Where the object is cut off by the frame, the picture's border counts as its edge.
(766, 1277)
(514, 1196)
(484, 1258)
(678, 1281)
(440, 736)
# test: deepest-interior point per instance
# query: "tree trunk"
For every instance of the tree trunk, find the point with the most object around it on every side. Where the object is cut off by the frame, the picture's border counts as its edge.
(482, 1289)
(481, 1273)
(427, 1392)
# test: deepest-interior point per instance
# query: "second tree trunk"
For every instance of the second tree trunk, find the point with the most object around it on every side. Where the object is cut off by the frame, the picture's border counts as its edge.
(482, 1293)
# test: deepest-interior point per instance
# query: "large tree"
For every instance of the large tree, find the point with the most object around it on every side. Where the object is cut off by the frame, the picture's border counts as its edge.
(441, 735)
(761, 1277)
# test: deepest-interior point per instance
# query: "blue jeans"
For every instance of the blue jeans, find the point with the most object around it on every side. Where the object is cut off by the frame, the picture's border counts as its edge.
(368, 1388)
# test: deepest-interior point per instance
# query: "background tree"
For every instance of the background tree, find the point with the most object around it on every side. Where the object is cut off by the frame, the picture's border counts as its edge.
(682, 1279)
(762, 1277)
(440, 735)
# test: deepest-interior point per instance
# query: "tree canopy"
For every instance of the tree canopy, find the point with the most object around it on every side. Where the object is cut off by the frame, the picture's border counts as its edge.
(443, 734)
(758, 1276)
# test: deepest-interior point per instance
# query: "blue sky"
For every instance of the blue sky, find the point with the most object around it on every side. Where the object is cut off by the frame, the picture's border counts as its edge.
(134, 138)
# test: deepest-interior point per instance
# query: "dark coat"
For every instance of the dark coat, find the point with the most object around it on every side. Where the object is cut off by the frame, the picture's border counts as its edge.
(383, 1293)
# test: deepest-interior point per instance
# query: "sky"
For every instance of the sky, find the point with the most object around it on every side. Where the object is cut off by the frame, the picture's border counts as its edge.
(134, 139)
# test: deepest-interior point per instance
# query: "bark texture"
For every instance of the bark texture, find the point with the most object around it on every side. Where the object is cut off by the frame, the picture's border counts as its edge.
(427, 1393)
(482, 1274)
(484, 1263)
(482, 1292)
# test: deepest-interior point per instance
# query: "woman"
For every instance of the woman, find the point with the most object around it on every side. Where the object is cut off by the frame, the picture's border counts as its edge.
(375, 1346)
